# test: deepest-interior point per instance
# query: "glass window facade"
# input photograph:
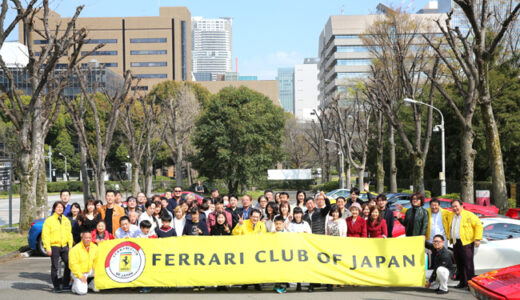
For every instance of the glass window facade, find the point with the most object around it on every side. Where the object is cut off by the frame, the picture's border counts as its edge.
(148, 40)
(354, 48)
(149, 64)
(184, 51)
(147, 52)
(40, 42)
(151, 75)
(354, 62)
(100, 53)
(347, 36)
(352, 75)
(102, 41)
(286, 88)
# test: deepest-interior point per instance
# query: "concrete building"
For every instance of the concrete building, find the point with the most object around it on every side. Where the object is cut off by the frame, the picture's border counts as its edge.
(306, 89)
(212, 46)
(266, 87)
(154, 48)
(286, 88)
(344, 60)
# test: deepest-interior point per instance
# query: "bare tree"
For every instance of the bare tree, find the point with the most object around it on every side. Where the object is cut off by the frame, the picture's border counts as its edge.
(400, 60)
(140, 120)
(94, 99)
(474, 52)
(326, 127)
(314, 137)
(33, 117)
(299, 152)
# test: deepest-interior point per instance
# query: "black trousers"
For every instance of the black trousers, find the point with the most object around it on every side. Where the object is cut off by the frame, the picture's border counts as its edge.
(58, 252)
(464, 260)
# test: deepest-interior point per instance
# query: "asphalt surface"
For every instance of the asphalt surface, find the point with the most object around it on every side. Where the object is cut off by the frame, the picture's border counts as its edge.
(29, 278)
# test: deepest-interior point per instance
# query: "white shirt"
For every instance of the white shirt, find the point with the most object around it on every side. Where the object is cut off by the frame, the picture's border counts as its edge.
(299, 227)
(132, 232)
(455, 228)
(178, 225)
(151, 219)
(436, 226)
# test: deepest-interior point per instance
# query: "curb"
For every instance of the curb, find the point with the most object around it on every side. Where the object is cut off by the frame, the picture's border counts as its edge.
(9, 256)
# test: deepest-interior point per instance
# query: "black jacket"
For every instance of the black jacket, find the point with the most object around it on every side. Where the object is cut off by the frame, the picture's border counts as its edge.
(162, 234)
(319, 216)
(388, 215)
(240, 212)
(172, 204)
(190, 230)
(441, 258)
(307, 218)
(234, 216)
(219, 230)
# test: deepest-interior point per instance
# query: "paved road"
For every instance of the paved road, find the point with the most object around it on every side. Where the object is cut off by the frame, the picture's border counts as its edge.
(29, 278)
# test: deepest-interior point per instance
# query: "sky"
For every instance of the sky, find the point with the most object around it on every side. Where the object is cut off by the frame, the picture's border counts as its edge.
(267, 34)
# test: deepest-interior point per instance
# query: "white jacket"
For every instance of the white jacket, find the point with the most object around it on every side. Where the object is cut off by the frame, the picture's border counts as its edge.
(300, 227)
(342, 225)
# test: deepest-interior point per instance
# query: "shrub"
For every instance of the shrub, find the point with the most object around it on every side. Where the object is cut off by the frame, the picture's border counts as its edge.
(452, 196)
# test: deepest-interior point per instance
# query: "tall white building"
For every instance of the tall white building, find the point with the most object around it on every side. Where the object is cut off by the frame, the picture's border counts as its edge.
(306, 89)
(211, 47)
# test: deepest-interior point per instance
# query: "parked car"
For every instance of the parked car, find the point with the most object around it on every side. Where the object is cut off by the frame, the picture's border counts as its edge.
(35, 237)
(446, 203)
(500, 244)
(397, 198)
(332, 195)
(513, 213)
(499, 284)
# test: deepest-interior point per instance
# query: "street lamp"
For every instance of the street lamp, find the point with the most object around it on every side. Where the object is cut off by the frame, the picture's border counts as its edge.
(342, 167)
(436, 128)
(66, 175)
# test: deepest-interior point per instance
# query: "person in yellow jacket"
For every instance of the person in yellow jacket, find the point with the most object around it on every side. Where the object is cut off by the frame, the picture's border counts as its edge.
(252, 225)
(57, 239)
(465, 232)
(82, 259)
(436, 216)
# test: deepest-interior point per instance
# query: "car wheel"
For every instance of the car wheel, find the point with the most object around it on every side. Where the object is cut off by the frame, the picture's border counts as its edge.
(39, 246)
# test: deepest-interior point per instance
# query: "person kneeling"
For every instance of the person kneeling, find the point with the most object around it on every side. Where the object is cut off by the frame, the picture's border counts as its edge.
(82, 259)
(443, 268)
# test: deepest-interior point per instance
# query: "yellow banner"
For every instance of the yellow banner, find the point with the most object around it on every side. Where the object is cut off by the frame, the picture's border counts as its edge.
(267, 258)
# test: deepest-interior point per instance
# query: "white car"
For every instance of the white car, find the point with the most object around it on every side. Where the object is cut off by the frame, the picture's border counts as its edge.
(500, 245)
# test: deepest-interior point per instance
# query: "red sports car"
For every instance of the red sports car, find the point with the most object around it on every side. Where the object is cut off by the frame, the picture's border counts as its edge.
(500, 284)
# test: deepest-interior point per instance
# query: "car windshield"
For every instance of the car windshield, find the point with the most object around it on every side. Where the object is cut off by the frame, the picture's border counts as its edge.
(501, 231)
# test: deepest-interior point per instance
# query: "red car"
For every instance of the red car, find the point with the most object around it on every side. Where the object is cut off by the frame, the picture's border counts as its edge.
(480, 210)
(513, 213)
(500, 284)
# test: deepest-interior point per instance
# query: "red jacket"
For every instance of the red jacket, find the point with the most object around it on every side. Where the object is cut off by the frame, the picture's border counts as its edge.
(358, 229)
(212, 220)
(377, 231)
(108, 235)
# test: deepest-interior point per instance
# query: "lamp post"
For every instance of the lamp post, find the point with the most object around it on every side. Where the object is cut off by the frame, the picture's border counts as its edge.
(66, 175)
(436, 128)
(342, 167)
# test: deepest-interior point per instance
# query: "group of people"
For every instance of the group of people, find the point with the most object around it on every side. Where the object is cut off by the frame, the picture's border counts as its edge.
(174, 215)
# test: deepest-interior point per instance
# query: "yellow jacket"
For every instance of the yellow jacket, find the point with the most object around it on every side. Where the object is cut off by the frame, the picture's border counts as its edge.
(81, 261)
(247, 228)
(445, 214)
(470, 227)
(55, 233)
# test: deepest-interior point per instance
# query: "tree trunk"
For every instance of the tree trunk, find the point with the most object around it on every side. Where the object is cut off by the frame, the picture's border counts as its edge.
(499, 188)
(393, 165)
(233, 187)
(41, 188)
(348, 176)
(148, 179)
(28, 179)
(136, 169)
(380, 181)
(100, 182)
(418, 174)
(361, 178)
(188, 168)
(178, 165)
(84, 172)
(327, 165)
(468, 155)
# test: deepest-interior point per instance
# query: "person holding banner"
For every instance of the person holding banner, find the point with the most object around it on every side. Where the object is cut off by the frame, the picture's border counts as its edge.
(100, 233)
(221, 226)
(250, 226)
(376, 227)
(57, 239)
(82, 259)
(212, 217)
(356, 225)
(298, 224)
(416, 219)
(195, 226)
(335, 226)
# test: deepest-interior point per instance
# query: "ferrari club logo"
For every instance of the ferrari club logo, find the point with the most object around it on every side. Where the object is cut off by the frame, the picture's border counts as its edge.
(125, 262)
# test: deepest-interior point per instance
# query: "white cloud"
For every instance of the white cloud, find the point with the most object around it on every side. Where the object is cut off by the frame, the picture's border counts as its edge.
(266, 67)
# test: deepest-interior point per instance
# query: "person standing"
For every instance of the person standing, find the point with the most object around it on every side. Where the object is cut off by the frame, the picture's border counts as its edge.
(319, 216)
(376, 225)
(82, 261)
(443, 268)
(149, 215)
(195, 225)
(298, 224)
(126, 230)
(65, 197)
(356, 224)
(111, 213)
(90, 217)
(245, 210)
(416, 219)
(199, 188)
(251, 225)
(386, 213)
(131, 206)
(179, 221)
(354, 197)
(212, 217)
(309, 204)
(173, 202)
(465, 233)
(141, 201)
(345, 213)
(336, 225)
(57, 240)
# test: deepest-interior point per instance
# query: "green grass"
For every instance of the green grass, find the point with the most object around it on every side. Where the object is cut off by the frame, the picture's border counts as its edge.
(11, 241)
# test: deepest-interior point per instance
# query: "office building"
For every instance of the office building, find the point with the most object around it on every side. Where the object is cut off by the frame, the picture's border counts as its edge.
(306, 89)
(267, 87)
(212, 46)
(286, 88)
(154, 48)
(344, 60)
(247, 77)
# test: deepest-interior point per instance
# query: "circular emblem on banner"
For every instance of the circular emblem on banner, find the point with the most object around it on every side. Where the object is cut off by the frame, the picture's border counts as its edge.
(125, 262)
